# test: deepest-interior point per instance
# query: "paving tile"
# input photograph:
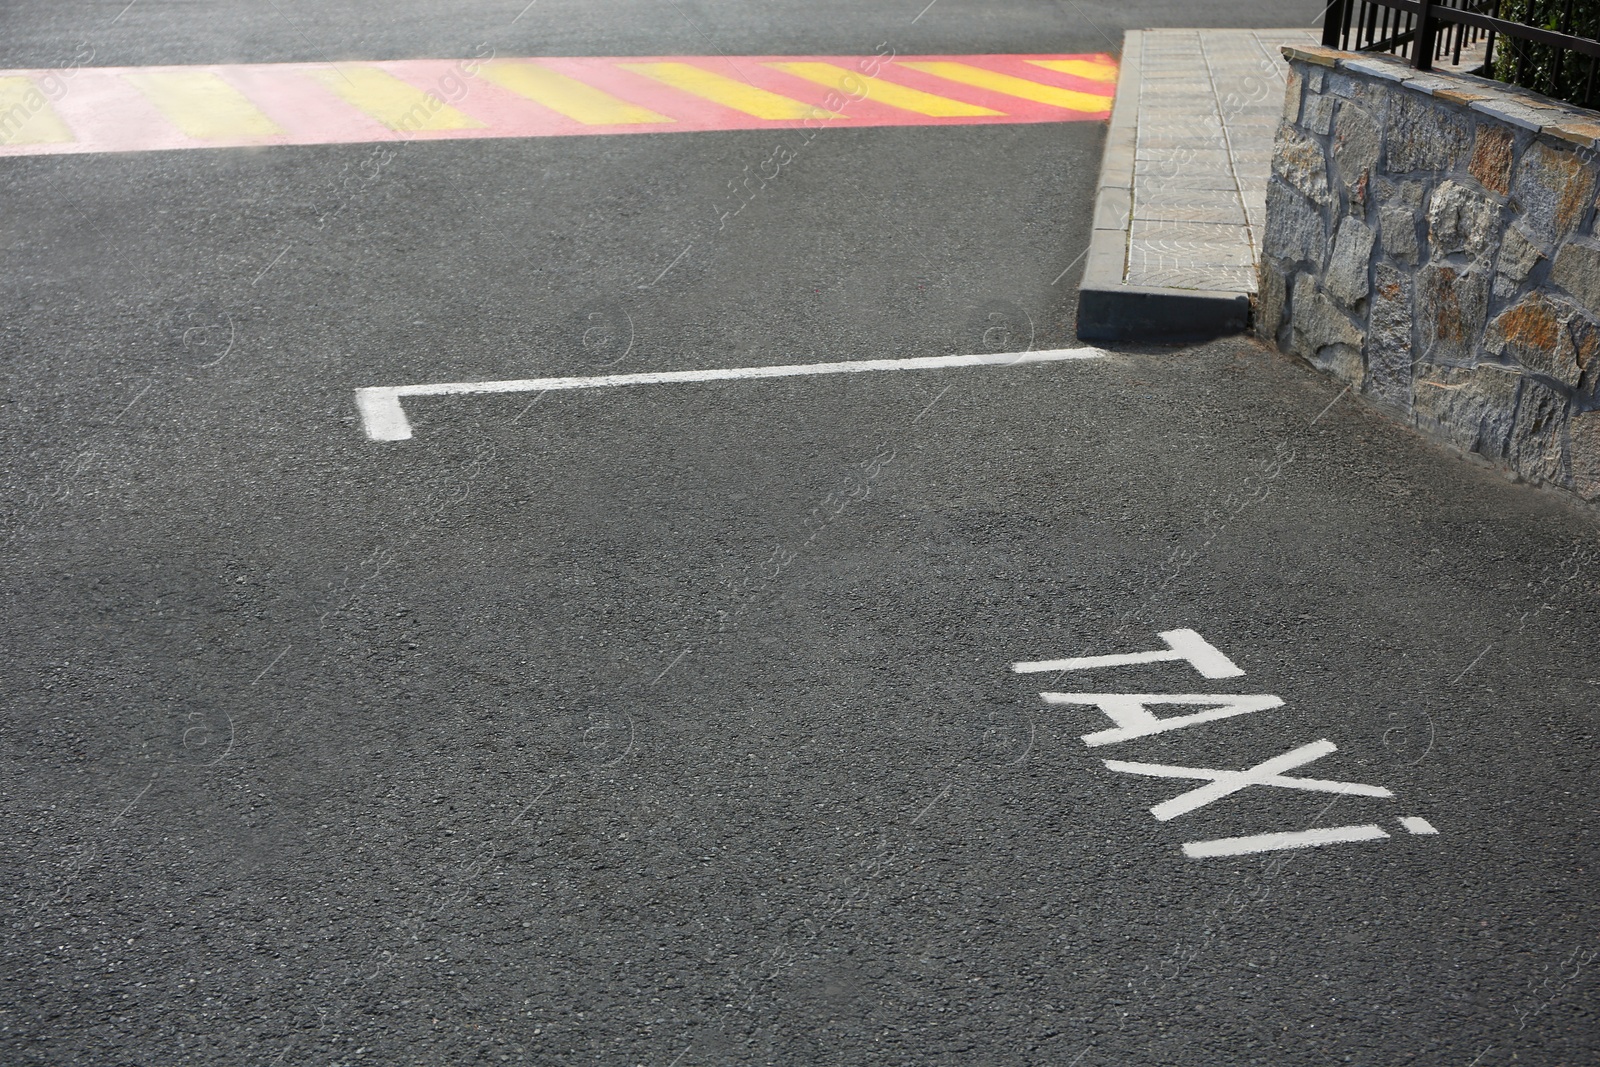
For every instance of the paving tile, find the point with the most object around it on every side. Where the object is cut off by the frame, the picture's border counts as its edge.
(1192, 199)
(1229, 213)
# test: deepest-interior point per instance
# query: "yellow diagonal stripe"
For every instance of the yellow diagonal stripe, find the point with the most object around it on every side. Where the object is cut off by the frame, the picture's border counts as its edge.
(1081, 68)
(860, 86)
(567, 95)
(202, 105)
(1039, 93)
(397, 104)
(26, 116)
(697, 81)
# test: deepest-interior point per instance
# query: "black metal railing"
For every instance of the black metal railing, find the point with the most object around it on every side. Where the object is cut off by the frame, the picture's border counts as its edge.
(1551, 46)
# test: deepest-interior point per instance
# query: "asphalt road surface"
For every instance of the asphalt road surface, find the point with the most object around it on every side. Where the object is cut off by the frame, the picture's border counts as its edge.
(678, 724)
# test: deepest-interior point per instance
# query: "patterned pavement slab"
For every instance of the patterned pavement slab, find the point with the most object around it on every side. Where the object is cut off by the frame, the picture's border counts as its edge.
(1209, 102)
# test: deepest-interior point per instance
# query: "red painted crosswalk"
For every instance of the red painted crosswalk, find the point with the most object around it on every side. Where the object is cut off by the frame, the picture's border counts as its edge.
(128, 109)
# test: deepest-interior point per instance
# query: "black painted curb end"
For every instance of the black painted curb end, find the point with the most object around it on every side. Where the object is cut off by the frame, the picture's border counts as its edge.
(1137, 313)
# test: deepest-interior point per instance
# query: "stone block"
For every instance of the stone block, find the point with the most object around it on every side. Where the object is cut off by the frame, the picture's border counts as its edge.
(1548, 336)
(1514, 113)
(1377, 65)
(1584, 133)
(1518, 256)
(1388, 351)
(1271, 297)
(1346, 87)
(1348, 267)
(1424, 135)
(1398, 220)
(1295, 230)
(1317, 324)
(1355, 145)
(1314, 54)
(1298, 160)
(1552, 191)
(1343, 362)
(1539, 434)
(1492, 155)
(1471, 407)
(1461, 220)
(1316, 114)
(1452, 305)
(1459, 94)
(1577, 270)
(1583, 451)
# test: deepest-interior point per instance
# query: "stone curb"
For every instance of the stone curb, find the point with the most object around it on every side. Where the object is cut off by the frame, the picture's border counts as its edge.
(1109, 309)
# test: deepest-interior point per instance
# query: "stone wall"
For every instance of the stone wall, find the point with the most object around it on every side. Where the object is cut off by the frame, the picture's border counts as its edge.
(1431, 239)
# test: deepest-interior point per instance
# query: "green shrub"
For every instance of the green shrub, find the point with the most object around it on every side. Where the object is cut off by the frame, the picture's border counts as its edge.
(1540, 67)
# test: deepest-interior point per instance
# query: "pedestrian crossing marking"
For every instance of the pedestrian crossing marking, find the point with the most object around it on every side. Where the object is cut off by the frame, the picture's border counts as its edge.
(202, 105)
(1038, 92)
(1094, 70)
(393, 101)
(134, 109)
(729, 92)
(26, 117)
(567, 95)
(851, 83)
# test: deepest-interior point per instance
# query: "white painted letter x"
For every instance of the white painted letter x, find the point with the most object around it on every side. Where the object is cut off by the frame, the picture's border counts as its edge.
(1224, 783)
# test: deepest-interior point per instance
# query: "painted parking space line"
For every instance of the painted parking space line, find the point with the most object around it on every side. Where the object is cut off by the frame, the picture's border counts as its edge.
(384, 419)
(128, 109)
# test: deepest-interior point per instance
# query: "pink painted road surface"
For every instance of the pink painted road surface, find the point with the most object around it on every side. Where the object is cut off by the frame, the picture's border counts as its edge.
(130, 109)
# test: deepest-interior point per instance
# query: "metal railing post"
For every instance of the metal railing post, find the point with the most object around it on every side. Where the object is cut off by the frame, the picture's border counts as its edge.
(1334, 22)
(1427, 34)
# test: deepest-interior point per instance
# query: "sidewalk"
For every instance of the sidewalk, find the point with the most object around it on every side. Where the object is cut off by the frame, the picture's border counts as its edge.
(1182, 195)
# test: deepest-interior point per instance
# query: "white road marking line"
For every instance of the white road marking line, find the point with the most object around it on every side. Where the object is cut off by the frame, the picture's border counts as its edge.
(1134, 719)
(385, 420)
(1225, 783)
(1181, 644)
(1417, 825)
(1244, 846)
